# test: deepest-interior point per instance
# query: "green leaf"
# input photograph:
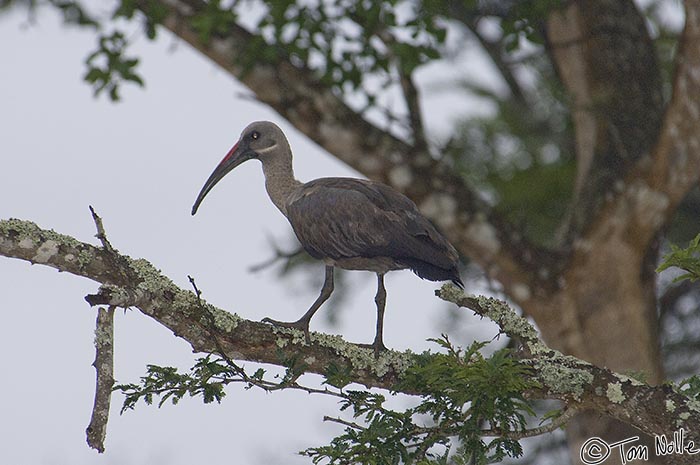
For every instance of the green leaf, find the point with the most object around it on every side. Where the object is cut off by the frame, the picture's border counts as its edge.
(109, 67)
(213, 20)
(125, 9)
(687, 259)
(338, 376)
(73, 13)
(690, 387)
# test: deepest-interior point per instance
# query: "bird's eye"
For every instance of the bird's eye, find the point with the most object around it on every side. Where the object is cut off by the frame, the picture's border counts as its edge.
(255, 135)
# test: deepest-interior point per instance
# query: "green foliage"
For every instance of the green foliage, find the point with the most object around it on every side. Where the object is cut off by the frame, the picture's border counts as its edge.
(464, 395)
(108, 67)
(536, 198)
(206, 379)
(74, 13)
(384, 439)
(338, 376)
(213, 20)
(521, 152)
(351, 43)
(641, 376)
(154, 14)
(690, 387)
(523, 22)
(687, 259)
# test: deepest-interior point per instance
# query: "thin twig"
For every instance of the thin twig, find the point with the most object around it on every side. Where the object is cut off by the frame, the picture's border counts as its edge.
(212, 322)
(96, 431)
(269, 386)
(279, 255)
(494, 49)
(344, 422)
(415, 114)
(556, 423)
(441, 430)
(410, 94)
(237, 369)
(422, 447)
(101, 235)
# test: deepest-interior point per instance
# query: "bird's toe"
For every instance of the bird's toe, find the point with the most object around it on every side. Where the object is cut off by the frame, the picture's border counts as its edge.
(377, 347)
(301, 325)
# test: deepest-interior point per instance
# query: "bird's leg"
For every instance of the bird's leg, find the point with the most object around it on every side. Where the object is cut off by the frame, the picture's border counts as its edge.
(380, 300)
(303, 322)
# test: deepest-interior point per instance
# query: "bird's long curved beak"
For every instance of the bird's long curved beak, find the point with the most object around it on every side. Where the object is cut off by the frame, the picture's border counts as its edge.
(233, 158)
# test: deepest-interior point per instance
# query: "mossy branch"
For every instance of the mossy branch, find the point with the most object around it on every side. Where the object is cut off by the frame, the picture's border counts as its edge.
(583, 386)
(127, 282)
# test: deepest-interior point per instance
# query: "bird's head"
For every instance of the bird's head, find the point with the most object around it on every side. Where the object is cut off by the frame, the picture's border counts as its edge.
(260, 140)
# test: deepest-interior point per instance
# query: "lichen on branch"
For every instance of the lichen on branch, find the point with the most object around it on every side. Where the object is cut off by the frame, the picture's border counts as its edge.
(544, 373)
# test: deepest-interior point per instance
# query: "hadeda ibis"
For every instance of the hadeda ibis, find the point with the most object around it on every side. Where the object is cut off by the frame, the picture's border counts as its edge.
(354, 224)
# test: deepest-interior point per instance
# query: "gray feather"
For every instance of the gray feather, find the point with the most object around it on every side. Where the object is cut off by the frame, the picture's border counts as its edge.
(340, 218)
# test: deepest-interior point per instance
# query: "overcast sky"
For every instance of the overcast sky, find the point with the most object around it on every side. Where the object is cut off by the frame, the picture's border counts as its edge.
(140, 163)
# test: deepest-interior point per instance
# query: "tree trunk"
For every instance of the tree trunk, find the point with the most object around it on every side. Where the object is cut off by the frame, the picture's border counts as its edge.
(604, 310)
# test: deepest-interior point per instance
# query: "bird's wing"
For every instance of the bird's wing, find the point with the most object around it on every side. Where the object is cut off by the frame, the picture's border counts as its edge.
(344, 217)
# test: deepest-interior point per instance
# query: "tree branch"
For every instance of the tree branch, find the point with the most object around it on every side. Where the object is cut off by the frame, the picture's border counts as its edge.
(104, 367)
(596, 45)
(410, 95)
(658, 183)
(128, 282)
(493, 48)
(675, 168)
(556, 423)
(582, 386)
(101, 234)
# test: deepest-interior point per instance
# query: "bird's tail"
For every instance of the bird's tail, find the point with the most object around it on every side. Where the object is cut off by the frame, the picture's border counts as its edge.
(434, 273)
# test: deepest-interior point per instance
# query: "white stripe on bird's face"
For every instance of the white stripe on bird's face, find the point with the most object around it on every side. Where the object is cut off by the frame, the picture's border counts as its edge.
(267, 149)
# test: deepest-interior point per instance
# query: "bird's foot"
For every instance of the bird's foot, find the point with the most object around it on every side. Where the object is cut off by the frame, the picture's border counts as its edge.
(377, 346)
(302, 325)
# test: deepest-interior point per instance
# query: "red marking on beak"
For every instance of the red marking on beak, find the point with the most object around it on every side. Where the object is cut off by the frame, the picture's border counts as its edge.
(229, 154)
(233, 158)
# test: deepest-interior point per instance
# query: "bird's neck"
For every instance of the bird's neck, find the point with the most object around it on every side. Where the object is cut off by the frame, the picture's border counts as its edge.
(279, 181)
